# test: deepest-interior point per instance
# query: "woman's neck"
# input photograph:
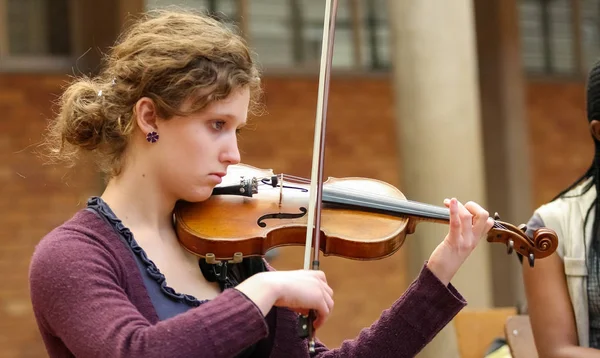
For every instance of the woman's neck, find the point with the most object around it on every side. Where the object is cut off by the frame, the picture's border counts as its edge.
(138, 201)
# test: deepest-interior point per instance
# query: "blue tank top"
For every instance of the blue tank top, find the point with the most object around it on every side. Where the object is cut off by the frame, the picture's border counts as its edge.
(166, 301)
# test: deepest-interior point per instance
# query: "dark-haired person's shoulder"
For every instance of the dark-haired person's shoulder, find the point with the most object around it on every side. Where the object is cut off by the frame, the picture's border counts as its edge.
(535, 222)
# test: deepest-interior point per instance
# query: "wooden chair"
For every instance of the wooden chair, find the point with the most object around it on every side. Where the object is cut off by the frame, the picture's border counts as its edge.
(476, 329)
(520, 337)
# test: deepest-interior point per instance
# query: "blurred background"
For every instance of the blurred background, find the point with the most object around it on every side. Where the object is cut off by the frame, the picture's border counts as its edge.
(482, 100)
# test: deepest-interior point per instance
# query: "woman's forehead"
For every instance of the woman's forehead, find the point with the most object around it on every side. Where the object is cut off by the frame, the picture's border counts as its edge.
(234, 106)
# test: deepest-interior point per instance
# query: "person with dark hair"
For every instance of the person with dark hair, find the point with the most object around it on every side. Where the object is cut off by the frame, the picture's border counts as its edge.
(563, 290)
(161, 120)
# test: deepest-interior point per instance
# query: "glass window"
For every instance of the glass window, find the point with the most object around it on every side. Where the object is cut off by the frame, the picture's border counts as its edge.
(590, 27)
(559, 37)
(287, 34)
(35, 27)
(34, 34)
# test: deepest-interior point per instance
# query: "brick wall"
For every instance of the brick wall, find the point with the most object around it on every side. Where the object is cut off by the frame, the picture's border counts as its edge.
(360, 142)
(560, 144)
(35, 198)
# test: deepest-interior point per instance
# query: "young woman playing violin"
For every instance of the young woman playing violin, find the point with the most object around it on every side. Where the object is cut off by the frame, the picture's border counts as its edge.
(113, 281)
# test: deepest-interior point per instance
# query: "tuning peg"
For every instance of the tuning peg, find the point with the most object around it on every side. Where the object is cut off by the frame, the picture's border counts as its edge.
(511, 246)
(531, 259)
(523, 227)
(496, 216)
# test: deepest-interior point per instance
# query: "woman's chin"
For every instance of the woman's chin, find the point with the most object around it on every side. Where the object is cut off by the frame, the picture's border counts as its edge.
(198, 196)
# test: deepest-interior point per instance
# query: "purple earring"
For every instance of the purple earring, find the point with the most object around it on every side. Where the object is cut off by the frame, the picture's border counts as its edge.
(152, 137)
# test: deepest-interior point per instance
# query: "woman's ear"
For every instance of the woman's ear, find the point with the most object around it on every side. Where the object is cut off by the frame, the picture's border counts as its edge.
(595, 129)
(145, 115)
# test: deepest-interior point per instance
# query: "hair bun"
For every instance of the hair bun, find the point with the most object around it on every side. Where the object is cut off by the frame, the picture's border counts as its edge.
(82, 116)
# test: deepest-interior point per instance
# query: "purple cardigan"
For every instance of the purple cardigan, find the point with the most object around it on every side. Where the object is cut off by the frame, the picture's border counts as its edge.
(89, 300)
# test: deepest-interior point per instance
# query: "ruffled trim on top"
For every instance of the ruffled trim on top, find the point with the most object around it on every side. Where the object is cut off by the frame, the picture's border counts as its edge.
(102, 208)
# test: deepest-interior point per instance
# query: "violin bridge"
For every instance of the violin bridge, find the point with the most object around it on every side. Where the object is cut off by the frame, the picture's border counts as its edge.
(281, 190)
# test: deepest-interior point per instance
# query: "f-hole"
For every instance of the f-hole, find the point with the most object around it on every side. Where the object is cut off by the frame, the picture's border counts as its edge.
(280, 216)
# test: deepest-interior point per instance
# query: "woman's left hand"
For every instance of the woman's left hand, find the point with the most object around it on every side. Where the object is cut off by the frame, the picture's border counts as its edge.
(468, 224)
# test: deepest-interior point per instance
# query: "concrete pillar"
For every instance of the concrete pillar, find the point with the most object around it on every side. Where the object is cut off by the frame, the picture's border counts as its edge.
(94, 28)
(505, 133)
(3, 28)
(96, 25)
(439, 132)
(129, 10)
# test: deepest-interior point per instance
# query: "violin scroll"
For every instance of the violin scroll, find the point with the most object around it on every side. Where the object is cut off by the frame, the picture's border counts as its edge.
(543, 243)
(545, 240)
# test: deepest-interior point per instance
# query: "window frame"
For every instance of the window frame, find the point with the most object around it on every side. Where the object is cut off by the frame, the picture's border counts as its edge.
(10, 63)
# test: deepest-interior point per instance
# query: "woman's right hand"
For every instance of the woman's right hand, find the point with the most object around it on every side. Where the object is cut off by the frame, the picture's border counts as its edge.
(298, 290)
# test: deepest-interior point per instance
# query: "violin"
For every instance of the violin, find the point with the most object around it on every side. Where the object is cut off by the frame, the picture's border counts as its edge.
(253, 211)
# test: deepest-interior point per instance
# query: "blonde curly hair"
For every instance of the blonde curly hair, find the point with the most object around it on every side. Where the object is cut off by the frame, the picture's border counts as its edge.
(166, 55)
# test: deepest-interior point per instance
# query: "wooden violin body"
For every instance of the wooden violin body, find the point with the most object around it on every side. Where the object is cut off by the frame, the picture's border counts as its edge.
(254, 210)
(275, 217)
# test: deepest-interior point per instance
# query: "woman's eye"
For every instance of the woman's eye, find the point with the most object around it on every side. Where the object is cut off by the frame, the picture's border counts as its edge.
(218, 125)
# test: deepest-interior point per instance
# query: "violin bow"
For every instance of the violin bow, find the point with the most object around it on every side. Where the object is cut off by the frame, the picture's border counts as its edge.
(316, 180)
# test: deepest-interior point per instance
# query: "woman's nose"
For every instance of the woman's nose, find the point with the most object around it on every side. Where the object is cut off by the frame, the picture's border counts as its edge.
(231, 154)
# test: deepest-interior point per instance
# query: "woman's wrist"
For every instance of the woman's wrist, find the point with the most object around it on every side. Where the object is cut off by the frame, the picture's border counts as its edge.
(444, 262)
(261, 291)
(441, 270)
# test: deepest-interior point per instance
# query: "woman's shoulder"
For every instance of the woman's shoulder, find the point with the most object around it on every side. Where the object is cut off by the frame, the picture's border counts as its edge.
(72, 265)
(574, 203)
(82, 238)
(84, 226)
(585, 191)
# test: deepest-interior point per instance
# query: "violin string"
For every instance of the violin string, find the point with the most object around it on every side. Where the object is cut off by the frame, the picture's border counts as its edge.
(395, 203)
(379, 197)
(371, 196)
(366, 196)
